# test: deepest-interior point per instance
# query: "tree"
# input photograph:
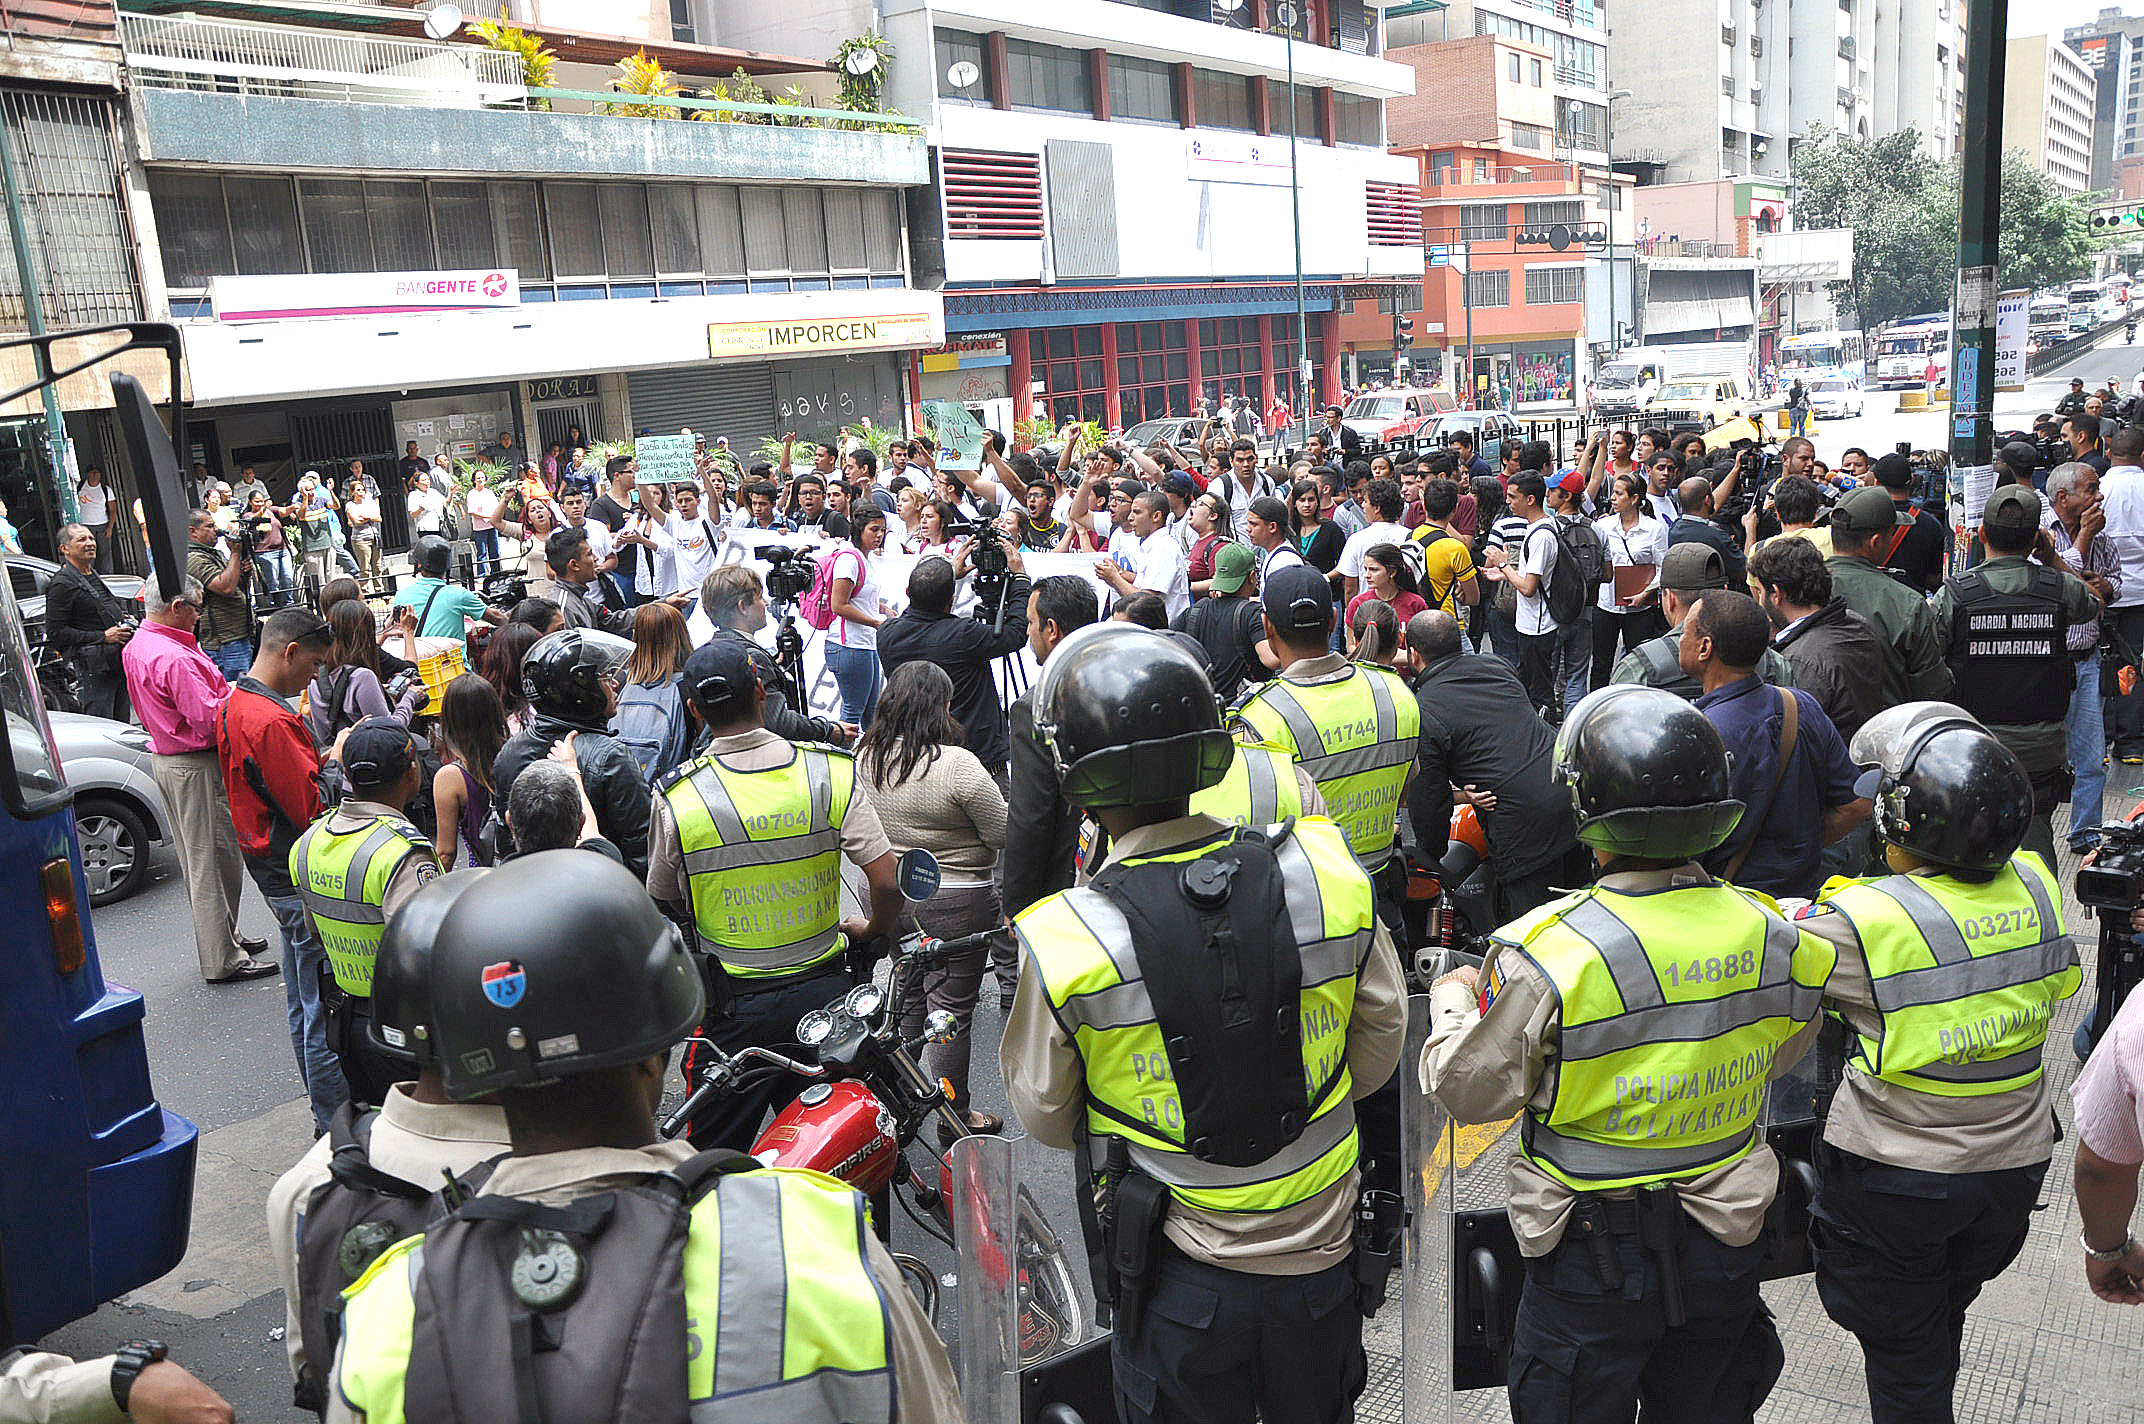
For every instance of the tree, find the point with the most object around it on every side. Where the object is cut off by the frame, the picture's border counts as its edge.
(1903, 208)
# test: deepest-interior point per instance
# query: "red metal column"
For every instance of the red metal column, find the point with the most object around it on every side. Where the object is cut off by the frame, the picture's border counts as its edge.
(1022, 376)
(1113, 400)
(1265, 361)
(1329, 370)
(1194, 360)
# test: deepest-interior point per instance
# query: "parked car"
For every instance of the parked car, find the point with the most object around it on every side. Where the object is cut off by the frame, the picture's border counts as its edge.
(118, 811)
(1180, 431)
(1835, 399)
(1381, 417)
(1699, 402)
(1491, 430)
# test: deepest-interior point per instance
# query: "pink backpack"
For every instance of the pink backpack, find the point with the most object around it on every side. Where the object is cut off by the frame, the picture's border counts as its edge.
(817, 604)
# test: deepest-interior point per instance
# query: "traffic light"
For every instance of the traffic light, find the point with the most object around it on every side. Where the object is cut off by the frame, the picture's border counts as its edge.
(1402, 332)
(2131, 219)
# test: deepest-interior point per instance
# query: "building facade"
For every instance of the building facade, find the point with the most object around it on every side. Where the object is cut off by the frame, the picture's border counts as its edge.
(2050, 102)
(2113, 45)
(1865, 68)
(372, 240)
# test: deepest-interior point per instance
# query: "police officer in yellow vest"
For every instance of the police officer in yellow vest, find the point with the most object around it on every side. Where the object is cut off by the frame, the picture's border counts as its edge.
(1635, 1025)
(352, 867)
(745, 845)
(1949, 970)
(372, 1179)
(1206, 1010)
(554, 1291)
(1351, 725)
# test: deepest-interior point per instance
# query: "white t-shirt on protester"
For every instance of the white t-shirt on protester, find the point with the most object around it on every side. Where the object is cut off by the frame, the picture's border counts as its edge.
(1162, 568)
(426, 507)
(95, 501)
(1280, 556)
(696, 543)
(599, 541)
(1366, 539)
(1537, 555)
(850, 562)
(660, 581)
(1646, 543)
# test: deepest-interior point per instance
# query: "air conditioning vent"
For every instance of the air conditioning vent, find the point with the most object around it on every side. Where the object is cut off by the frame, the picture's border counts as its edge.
(1395, 214)
(994, 196)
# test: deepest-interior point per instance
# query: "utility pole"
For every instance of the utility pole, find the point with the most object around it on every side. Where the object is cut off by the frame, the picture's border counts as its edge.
(1288, 15)
(33, 310)
(1972, 387)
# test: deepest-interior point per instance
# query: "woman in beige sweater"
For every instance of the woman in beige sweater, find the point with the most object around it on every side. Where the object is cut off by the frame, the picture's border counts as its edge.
(932, 794)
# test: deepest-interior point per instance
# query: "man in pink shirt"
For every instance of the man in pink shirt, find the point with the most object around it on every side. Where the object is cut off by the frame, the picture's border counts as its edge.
(176, 690)
(2109, 1099)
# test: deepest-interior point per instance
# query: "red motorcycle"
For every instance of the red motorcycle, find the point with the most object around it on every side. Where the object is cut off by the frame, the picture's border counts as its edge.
(858, 1122)
(1451, 901)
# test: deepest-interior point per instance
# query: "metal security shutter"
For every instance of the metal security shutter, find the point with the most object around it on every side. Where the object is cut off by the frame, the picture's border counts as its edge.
(737, 401)
(1083, 207)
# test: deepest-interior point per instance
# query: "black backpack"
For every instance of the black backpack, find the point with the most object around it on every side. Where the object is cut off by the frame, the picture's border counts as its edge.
(1581, 569)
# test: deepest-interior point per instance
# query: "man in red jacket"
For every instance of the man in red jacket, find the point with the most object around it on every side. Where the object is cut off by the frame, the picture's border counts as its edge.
(272, 771)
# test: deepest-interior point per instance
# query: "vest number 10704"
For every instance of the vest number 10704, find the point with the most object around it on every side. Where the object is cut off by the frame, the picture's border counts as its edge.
(1712, 971)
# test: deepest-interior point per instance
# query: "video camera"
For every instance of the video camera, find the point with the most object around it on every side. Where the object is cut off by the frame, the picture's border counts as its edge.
(503, 590)
(789, 572)
(2113, 885)
(991, 565)
(253, 531)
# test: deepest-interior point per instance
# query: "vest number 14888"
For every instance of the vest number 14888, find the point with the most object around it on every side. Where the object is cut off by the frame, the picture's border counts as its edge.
(1712, 971)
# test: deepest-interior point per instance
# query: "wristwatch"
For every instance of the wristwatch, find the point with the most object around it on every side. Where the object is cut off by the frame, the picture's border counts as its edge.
(127, 1364)
(2129, 1243)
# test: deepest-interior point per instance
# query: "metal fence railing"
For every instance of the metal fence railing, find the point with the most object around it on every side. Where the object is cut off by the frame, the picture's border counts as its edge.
(188, 52)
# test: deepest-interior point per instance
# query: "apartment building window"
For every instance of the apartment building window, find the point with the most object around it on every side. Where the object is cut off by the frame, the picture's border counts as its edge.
(1142, 90)
(1489, 289)
(1727, 85)
(1514, 66)
(1308, 125)
(1549, 214)
(213, 225)
(1582, 124)
(1047, 78)
(958, 47)
(1531, 137)
(1534, 66)
(1358, 121)
(1484, 222)
(1224, 101)
(1546, 286)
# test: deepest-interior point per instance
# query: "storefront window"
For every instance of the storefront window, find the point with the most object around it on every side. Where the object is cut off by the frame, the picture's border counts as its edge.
(1543, 374)
(1068, 363)
(1153, 371)
(1231, 356)
(518, 220)
(1224, 101)
(401, 224)
(461, 215)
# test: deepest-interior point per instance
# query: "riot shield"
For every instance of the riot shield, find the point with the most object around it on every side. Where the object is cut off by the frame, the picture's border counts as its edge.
(1029, 1341)
(1794, 1108)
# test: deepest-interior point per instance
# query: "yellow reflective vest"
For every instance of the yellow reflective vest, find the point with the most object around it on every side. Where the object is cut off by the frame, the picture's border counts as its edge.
(1354, 732)
(1080, 945)
(762, 853)
(343, 882)
(1673, 1005)
(1259, 788)
(783, 1317)
(1965, 976)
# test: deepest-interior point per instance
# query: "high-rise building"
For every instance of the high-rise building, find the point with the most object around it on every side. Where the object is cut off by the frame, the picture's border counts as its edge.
(1865, 68)
(1571, 33)
(2049, 98)
(2113, 45)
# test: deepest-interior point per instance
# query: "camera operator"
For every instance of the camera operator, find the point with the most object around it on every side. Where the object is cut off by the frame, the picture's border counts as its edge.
(735, 602)
(219, 566)
(965, 647)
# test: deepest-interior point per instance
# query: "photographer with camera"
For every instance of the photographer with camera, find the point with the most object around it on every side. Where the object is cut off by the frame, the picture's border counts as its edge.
(219, 566)
(927, 631)
(84, 620)
(351, 685)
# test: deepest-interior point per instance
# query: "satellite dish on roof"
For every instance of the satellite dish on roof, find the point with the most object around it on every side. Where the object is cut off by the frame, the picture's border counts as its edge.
(442, 22)
(861, 62)
(962, 74)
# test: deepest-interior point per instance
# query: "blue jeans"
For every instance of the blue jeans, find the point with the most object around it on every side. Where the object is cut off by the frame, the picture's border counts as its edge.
(2088, 754)
(304, 962)
(859, 676)
(1503, 637)
(1574, 651)
(276, 577)
(234, 659)
(1797, 421)
(486, 542)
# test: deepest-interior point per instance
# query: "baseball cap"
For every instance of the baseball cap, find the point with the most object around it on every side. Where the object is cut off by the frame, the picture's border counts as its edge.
(1232, 565)
(1865, 511)
(2013, 507)
(1693, 568)
(377, 752)
(1570, 482)
(2019, 457)
(1894, 471)
(719, 672)
(1180, 484)
(1299, 600)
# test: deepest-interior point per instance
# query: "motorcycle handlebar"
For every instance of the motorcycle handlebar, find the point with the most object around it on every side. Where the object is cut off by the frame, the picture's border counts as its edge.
(724, 1073)
(939, 950)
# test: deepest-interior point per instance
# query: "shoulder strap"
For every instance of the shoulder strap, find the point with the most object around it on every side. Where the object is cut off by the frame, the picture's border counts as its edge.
(1654, 653)
(428, 602)
(1898, 537)
(1970, 587)
(700, 1173)
(1790, 709)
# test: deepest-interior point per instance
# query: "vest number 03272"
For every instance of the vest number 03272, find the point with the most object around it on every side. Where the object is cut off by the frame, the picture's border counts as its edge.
(2000, 923)
(1712, 971)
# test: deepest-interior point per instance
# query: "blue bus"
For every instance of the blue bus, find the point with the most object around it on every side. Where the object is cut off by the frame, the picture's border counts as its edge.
(96, 1178)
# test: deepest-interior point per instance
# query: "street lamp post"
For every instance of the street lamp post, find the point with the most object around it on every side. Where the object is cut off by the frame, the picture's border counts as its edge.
(1287, 14)
(1615, 194)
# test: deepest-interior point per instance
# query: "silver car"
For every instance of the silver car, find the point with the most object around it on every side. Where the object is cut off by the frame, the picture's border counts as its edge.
(118, 811)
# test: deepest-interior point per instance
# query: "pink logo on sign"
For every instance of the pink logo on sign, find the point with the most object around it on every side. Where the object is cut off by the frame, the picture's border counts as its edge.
(495, 284)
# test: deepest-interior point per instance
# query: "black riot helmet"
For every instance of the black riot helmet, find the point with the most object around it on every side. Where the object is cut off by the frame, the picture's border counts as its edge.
(431, 556)
(1647, 774)
(1945, 789)
(401, 1024)
(1129, 718)
(564, 673)
(555, 965)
